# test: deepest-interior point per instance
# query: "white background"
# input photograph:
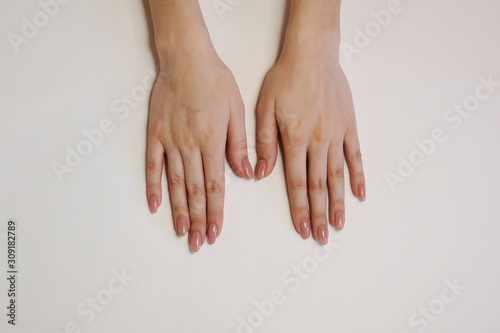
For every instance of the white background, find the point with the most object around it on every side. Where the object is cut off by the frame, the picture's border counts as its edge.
(396, 250)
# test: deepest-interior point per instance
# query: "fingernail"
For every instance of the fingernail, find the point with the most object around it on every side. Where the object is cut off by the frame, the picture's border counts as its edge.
(323, 234)
(153, 203)
(339, 219)
(182, 227)
(247, 168)
(195, 241)
(362, 192)
(261, 169)
(304, 228)
(212, 233)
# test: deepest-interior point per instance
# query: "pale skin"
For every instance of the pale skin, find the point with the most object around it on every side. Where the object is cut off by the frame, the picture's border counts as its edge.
(197, 120)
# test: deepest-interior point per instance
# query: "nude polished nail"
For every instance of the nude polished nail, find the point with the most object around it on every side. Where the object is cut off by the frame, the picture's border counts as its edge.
(195, 241)
(212, 233)
(153, 203)
(261, 169)
(305, 230)
(362, 192)
(323, 234)
(182, 227)
(340, 219)
(247, 168)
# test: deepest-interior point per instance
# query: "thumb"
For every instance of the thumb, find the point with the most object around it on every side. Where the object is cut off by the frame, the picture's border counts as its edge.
(267, 139)
(237, 154)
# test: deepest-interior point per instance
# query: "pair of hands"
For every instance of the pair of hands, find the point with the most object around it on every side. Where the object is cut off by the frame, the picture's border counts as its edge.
(197, 119)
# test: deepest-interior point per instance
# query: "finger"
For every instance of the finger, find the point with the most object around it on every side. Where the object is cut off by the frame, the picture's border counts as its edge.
(195, 186)
(317, 173)
(215, 189)
(296, 179)
(355, 164)
(267, 138)
(155, 157)
(237, 153)
(177, 191)
(336, 185)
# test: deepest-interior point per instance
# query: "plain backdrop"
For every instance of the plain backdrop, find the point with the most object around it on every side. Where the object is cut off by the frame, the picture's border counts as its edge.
(399, 250)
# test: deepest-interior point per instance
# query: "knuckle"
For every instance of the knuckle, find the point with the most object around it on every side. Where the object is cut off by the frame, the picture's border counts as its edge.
(296, 136)
(195, 190)
(266, 139)
(152, 187)
(209, 139)
(358, 176)
(317, 184)
(156, 129)
(267, 146)
(336, 172)
(239, 145)
(298, 184)
(152, 166)
(292, 132)
(321, 135)
(299, 213)
(214, 187)
(177, 181)
(215, 216)
(198, 221)
(179, 209)
(354, 156)
(336, 204)
(319, 217)
(237, 106)
(262, 108)
(187, 140)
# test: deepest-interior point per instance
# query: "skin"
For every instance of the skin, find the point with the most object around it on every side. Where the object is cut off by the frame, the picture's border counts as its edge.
(307, 98)
(196, 120)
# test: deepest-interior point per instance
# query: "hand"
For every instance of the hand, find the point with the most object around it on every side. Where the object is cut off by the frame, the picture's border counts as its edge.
(306, 95)
(196, 109)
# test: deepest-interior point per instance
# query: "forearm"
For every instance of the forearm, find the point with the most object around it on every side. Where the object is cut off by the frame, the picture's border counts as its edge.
(179, 29)
(313, 26)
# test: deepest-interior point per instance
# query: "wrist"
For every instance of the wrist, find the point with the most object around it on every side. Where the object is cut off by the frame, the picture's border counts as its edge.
(312, 49)
(179, 29)
(313, 29)
(320, 44)
(181, 47)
